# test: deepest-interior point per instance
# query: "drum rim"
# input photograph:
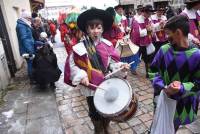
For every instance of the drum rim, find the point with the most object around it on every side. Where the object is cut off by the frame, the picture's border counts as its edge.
(126, 106)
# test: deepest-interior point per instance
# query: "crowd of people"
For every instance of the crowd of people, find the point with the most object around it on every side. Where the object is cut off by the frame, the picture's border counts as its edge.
(36, 48)
(101, 41)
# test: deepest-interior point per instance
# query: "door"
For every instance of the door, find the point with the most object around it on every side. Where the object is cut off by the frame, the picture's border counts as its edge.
(7, 46)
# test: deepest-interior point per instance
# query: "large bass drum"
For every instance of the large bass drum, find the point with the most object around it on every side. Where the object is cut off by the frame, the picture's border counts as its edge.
(117, 101)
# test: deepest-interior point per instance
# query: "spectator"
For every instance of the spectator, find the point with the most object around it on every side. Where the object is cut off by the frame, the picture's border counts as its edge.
(52, 28)
(25, 39)
(37, 28)
(45, 66)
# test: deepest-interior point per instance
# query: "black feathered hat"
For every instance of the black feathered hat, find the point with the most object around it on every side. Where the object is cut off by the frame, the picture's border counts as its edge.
(92, 14)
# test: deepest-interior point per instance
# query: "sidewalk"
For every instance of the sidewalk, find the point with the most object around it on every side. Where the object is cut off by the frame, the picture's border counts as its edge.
(28, 110)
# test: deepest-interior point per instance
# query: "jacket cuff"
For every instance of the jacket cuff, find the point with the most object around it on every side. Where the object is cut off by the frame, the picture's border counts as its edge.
(78, 77)
(143, 33)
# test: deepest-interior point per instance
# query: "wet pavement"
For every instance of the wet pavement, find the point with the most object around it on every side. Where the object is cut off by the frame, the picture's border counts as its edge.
(29, 110)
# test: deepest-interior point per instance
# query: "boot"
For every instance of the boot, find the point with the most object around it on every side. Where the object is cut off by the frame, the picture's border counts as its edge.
(98, 126)
(107, 127)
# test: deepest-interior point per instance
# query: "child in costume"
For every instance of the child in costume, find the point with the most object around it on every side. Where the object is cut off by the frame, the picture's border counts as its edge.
(91, 60)
(175, 69)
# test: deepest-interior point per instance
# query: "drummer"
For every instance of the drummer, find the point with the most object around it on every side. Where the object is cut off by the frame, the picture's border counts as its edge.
(91, 59)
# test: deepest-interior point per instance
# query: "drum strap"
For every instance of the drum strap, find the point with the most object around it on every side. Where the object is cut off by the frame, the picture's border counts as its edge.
(95, 59)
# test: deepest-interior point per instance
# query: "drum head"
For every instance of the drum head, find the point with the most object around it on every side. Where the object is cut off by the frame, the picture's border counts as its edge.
(122, 95)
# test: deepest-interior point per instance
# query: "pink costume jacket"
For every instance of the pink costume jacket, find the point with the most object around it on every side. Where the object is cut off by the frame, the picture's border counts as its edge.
(124, 22)
(113, 35)
(139, 34)
(194, 30)
(160, 35)
(78, 64)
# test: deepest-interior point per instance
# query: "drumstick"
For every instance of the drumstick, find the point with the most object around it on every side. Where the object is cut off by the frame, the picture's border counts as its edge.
(97, 86)
(108, 75)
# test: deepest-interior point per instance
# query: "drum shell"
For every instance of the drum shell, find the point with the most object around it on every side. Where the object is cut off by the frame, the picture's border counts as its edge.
(127, 112)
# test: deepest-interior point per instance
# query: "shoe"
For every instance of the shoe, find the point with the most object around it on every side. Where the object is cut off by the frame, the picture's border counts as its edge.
(98, 126)
(107, 128)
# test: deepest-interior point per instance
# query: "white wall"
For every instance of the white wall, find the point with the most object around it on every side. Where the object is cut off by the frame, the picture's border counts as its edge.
(4, 72)
(11, 11)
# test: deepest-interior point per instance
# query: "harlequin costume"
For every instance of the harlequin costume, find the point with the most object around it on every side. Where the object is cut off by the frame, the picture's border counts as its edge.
(183, 65)
(93, 60)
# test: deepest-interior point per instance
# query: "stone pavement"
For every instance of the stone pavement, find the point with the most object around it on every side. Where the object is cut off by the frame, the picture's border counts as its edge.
(73, 108)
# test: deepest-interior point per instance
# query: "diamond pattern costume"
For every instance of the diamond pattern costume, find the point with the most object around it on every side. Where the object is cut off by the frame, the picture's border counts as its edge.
(171, 65)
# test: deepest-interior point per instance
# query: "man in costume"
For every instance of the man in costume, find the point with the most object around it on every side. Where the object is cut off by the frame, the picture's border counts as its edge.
(114, 33)
(191, 12)
(139, 11)
(142, 34)
(91, 60)
(175, 69)
(124, 22)
(159, 19)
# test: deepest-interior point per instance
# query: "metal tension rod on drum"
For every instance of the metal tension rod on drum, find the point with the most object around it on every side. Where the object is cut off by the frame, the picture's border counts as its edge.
(108, 75)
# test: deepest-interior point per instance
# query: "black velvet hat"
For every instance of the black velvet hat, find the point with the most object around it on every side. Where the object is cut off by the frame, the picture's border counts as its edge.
(118, 6)
(148, 8)
(191, 1)
(111, 10)
(160, 8)
(92, 14)
(139, 7)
